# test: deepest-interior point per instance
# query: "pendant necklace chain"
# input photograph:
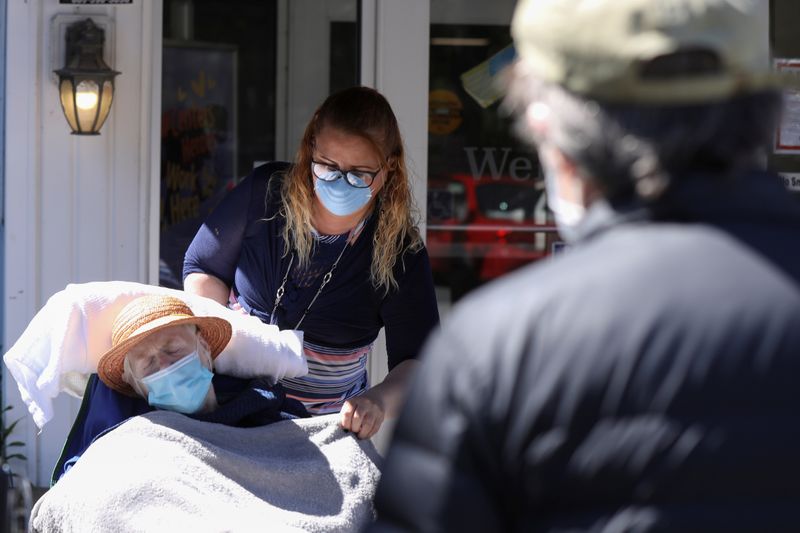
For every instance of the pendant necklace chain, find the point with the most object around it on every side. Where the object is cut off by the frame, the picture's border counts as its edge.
(325, 279)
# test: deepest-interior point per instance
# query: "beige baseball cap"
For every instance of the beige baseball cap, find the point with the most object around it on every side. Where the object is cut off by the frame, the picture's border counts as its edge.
(605, 49)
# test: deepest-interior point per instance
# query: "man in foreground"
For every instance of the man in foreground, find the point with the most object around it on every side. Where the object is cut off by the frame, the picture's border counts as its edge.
(645, 379)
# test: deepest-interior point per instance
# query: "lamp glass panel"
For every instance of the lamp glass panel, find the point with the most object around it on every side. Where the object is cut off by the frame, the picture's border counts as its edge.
(87, 95)
(67, 103)
(105, 103)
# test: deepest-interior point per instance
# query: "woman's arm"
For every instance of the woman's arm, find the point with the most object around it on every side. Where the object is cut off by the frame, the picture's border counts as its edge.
(409, 315)
(365, 413)
(208, 286)
(214, 252)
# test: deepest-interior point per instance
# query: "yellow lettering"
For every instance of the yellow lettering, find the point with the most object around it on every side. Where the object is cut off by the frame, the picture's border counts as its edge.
(183, 208)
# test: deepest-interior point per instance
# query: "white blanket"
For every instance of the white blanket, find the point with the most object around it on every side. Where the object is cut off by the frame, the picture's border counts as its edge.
(64, 341)
(166, 472)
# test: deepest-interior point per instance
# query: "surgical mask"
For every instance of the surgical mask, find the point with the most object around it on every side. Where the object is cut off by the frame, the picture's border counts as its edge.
(180, 387)
(568, 214)
(340, 198)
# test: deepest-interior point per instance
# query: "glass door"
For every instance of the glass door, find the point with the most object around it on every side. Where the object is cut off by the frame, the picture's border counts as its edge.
(486, 208)
(240, 79)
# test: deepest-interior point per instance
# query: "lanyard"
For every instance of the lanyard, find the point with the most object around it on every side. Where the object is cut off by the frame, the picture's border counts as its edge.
(325, 279)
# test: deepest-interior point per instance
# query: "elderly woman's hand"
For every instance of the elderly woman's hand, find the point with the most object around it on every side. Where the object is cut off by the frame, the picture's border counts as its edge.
(363, 414)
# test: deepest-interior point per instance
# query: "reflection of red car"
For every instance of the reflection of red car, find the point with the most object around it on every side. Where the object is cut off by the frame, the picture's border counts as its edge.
(481, 228)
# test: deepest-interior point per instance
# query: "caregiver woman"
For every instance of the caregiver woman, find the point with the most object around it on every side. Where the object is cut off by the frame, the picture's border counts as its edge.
(329, 246)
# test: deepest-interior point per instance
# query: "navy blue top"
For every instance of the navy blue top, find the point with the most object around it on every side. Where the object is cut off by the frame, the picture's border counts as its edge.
(241, 243)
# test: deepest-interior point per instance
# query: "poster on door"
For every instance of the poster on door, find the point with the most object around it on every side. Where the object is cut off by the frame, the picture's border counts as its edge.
(791, 180)
(198, 144)
(787, 136)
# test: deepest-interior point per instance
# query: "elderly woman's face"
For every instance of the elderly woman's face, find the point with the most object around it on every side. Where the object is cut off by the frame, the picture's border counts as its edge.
(161, 349)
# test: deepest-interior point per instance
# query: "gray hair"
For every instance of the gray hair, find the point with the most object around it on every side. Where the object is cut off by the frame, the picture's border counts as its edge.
(638, 150)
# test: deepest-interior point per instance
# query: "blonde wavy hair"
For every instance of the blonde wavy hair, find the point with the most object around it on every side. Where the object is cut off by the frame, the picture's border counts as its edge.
(366, 113)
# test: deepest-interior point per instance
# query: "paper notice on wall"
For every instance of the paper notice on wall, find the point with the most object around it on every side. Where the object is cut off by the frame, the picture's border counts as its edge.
(791, 180)
(787, 137)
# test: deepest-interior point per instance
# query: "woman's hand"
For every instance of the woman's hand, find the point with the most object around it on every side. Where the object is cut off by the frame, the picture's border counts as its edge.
(363, 414)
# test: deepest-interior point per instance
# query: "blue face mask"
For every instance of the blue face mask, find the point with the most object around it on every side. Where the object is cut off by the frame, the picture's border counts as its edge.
(340, 198)
(180, 387)
(568, 214)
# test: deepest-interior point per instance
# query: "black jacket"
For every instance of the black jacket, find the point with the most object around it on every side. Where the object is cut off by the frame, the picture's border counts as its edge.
(646, 380)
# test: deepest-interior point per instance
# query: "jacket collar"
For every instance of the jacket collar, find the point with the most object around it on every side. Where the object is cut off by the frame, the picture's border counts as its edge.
(754, 196)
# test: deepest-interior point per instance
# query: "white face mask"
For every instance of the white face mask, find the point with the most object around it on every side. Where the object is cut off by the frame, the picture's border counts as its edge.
(568, 214)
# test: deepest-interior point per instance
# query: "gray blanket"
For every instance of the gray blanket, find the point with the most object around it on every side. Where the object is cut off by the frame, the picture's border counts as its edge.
(166, 472)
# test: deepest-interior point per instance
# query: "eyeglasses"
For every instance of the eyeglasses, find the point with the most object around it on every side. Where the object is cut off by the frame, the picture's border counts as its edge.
(360, 179)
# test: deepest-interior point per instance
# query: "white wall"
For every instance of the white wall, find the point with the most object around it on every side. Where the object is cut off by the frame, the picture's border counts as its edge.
(2, 148)
(394, 61)
(304, 65)
(78, 208)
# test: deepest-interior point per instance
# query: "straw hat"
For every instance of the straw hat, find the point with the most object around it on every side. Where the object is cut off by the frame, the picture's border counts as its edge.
(144, 316)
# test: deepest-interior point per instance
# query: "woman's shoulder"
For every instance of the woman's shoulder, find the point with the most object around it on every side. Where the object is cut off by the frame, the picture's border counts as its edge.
(412, 261)
(269, 174)
(264, 182)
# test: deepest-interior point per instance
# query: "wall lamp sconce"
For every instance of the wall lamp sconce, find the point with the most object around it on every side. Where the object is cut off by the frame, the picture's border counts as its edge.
(86, 83)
